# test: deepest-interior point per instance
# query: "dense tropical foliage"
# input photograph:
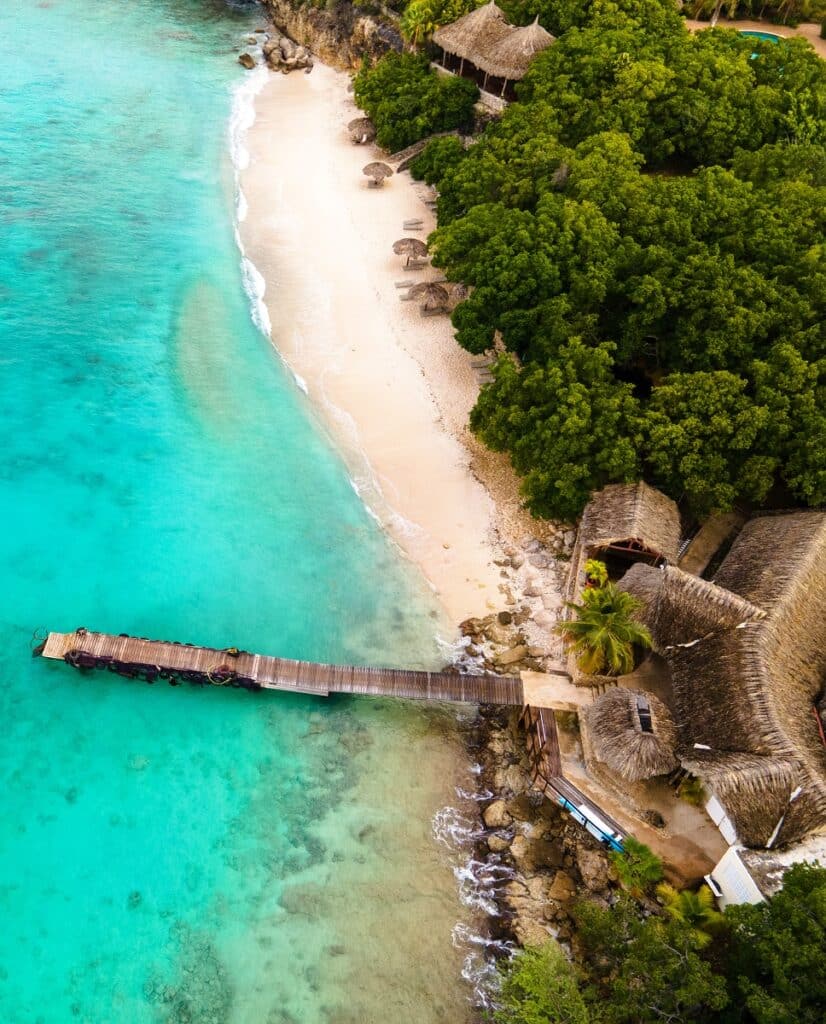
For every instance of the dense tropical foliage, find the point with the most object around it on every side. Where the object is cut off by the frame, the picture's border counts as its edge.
(408, 101)
(644, 231)
(687, 964)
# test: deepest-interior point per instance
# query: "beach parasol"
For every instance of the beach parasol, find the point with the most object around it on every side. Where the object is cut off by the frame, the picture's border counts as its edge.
(361, 130)
(434, 295)
(377, 172)
(410, 247)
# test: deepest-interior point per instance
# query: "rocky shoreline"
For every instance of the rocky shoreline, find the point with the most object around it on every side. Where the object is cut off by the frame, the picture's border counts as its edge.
(543, 861)
(340, 37)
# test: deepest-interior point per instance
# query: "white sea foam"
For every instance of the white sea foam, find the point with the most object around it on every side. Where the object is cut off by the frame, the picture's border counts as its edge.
(479, 964)
(240, 122)
(255, 286)
(242, 207)
(479, 883)
(479, 796)
(243, 115)
(454, 829)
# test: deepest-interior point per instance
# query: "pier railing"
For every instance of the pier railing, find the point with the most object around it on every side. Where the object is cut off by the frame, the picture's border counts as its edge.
(543, 748)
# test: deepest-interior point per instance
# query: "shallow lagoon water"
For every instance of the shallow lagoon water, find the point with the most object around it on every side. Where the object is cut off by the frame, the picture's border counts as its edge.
(177, 854)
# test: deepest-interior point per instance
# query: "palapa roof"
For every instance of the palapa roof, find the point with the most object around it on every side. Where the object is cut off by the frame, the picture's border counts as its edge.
(679, 608)
(619, 740)
(513, 53)
(747, 662)
(472, 32)
(632, 512)
(754, 790)
(484, 38)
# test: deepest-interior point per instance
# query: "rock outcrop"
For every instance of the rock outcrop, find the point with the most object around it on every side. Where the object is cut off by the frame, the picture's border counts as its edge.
(341, 36)
(282, 54)
(553, 863)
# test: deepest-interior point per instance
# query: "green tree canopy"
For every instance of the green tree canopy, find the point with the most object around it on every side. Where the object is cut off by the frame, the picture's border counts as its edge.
(645, 969)
(408, 100)
(707, 437)
(569, 427)
(539, 986)
(775, 959)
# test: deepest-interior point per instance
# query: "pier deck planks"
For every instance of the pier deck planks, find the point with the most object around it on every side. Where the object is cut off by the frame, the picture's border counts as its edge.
(283, 674)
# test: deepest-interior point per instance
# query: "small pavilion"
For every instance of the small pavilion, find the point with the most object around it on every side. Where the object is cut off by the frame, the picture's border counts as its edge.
(483, 46)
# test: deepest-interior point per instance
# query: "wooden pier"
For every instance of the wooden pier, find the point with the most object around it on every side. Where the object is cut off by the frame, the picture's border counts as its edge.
(153, 661)
(156, 660)
(543, 747)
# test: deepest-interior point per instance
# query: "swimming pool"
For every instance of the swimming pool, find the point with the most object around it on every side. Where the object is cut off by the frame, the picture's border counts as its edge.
(770, 37)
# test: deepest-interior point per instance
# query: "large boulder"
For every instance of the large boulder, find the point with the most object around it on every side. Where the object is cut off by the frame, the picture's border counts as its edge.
(594, 868)
(496, 816)
(563, 888)
(533, 854)
(282, 54)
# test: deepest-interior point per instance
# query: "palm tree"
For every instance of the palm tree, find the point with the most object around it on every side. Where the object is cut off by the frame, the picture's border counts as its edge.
(604, 632)
(596, 573)
(420, 20)
(638, 867)
(695, 909)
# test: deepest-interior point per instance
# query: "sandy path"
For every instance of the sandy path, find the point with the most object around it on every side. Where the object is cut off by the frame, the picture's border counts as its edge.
(322, 240)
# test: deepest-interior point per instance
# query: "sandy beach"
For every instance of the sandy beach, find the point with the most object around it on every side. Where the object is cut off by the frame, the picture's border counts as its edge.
(392, 387)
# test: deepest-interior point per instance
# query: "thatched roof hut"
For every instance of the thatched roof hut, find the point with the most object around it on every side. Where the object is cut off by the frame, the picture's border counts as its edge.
(486, 40)
(747, 656)
(632, 516)
(755, 790)
(511, 55)
(633, 734)
(473, 33)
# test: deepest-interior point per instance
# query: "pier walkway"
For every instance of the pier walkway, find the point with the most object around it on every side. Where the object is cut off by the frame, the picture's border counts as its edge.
(543, 747)
(151, 660)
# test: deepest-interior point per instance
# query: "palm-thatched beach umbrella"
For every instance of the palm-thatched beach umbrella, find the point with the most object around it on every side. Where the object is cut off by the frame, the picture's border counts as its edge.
(377, 172)
(361, 130)
(410, 247)
(435, 295)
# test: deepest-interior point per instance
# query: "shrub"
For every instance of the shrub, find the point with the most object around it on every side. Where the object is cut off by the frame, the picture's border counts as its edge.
(639, 868)
(437, 158)
(408, 101)
(539, 986)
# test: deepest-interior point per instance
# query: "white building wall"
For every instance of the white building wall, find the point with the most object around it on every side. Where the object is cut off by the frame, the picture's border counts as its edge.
(731, 882)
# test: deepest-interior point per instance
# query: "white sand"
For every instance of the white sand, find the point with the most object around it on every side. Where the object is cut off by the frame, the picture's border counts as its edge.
(393, 387)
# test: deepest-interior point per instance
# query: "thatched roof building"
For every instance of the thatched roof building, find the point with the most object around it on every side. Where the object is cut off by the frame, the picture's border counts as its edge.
(484, 39)
(633, 734)
(474, 33)
(679, 608)
(510, 57)
(632, 516)
(747, 657)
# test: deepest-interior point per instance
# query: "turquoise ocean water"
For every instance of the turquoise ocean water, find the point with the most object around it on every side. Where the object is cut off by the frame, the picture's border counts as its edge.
(176, 854)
